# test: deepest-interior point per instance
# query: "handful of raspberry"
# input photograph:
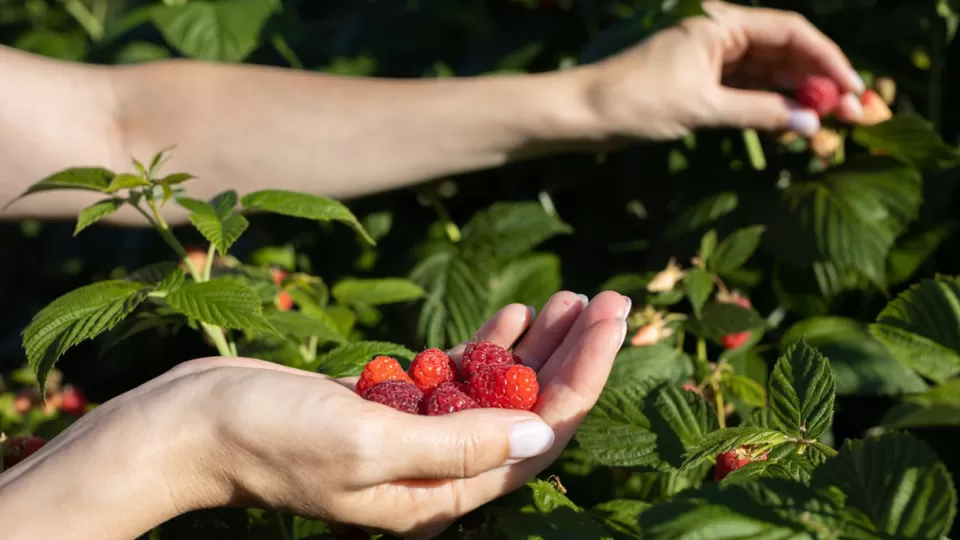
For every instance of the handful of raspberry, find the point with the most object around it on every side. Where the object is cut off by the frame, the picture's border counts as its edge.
(491, 377)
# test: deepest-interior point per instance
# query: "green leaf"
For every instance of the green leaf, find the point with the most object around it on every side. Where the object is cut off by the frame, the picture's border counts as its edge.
(75, 317)
(897, 482)
(302, 205)
(376, 292)
(802, 392)
(745, 389)
(125, 181)
(540, 512)
(153, 273)
(92, 214)
(852, 214)
(457, 288)
(622, 514)
(704, 211)
(718, 319)
(796, 467)
(305, 529)
(680, 420)
(698, 286)
(938, 407)
(708, 246)
(728, 439)
(910, 138)
(921, 328)
(221, 302)
(216, 220)
(913, 250)
(80, 178)
(861, 365)
(737, 248)
(175, 178)
(299, 325)
(348, 359)
(222, 31)
(627, 283)
(137, 324)
(509, 229)
(616, 432)
(661, 361)
(530, 280)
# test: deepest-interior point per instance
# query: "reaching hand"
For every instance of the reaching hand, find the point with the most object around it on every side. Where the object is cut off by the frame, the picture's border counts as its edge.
(716, 71)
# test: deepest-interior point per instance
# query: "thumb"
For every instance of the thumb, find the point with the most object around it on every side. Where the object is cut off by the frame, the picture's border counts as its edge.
(765, 111)
(462, 444)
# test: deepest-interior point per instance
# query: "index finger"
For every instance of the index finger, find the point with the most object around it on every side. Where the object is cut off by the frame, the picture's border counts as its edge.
(791, 33)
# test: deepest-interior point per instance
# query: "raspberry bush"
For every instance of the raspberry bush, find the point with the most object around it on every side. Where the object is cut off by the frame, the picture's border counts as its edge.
(792, 361)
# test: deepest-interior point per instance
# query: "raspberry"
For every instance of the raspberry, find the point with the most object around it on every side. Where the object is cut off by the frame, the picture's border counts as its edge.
(447, 398)
(480, 355)
(401, 395)
(431, 368)
(380, 369)
(20, 448)
(728, 462)
(505, 387)
(284, 300)
(74, 402)
(733, 341)
(819, 93)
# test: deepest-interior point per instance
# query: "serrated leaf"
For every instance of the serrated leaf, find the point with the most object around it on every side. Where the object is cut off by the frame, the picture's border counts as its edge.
(215, 220)
(698, 285)
(616, 432)
(78, 178)
(860, 364)
(724, 440)
(348, 359)
(172, 281)
(376, 292)
(125, 181)
(221, 302)
(718, 319)
(457, 288)
(530, 280)
(897, 482)
(921, 328)
(737, 248)
(75, 317)
(306, 206)
(796, 467)
(509, 229)
(222, 31)
(938, 407)
(540, 512)
(661, 361)
(745, 389)
(153, 273)
(299, 325)
(913, 250)
(910, 138)
(94, 213)
(680, 420)
(622, 515)
(802, 392)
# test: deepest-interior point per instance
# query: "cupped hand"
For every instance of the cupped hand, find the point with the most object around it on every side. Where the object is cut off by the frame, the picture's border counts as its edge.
(720, 70)
(305, 443)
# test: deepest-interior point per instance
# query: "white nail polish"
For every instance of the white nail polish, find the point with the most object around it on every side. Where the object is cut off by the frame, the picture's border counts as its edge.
(804, 122)
(852, 103)
(583, 298)
(626, 313)
(858, 82)
(623, 331)
(529, 439)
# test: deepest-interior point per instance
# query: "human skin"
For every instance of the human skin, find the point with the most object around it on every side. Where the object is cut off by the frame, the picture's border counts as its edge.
(222, 432)
(250, 127)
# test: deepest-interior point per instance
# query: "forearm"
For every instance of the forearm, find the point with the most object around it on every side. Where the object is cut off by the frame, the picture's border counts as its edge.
(251, 127)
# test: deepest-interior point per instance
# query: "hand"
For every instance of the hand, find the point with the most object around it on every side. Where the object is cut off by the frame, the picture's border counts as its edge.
(234, 431)
(712, 71)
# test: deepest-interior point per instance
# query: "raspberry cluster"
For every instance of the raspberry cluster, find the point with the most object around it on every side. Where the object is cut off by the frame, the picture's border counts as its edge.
(492, 377)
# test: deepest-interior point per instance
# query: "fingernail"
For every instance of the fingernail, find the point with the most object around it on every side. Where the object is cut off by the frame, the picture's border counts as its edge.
(626, 313)
(623, 331)
(528, 439)
(583, 298)
(533, 312)
(857, 81)
(804, 122)
(853, 105)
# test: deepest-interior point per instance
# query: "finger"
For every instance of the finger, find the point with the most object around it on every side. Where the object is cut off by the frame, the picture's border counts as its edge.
(504, 328)
(607, 305)
(768, 111)
(803, 42)
(548, 330)
(850, 109)
(459, 445)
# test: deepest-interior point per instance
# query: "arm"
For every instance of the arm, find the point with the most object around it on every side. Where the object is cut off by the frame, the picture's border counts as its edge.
(246, 127)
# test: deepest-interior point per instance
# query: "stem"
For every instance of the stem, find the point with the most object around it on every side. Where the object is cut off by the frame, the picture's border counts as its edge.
(453, 232)
(91, 25)
(718, 403)
(208, 264)
(282, 47)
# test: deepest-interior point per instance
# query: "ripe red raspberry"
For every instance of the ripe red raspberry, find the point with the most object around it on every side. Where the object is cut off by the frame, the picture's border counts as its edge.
(401, 395)
(74, 402)
(20, 448)
(819, 93)
(431, 368)
(728, 462)
(733, 341)
(447, 398)
(505, 387)
(380, 369)
(284, 301)
(480, 355)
